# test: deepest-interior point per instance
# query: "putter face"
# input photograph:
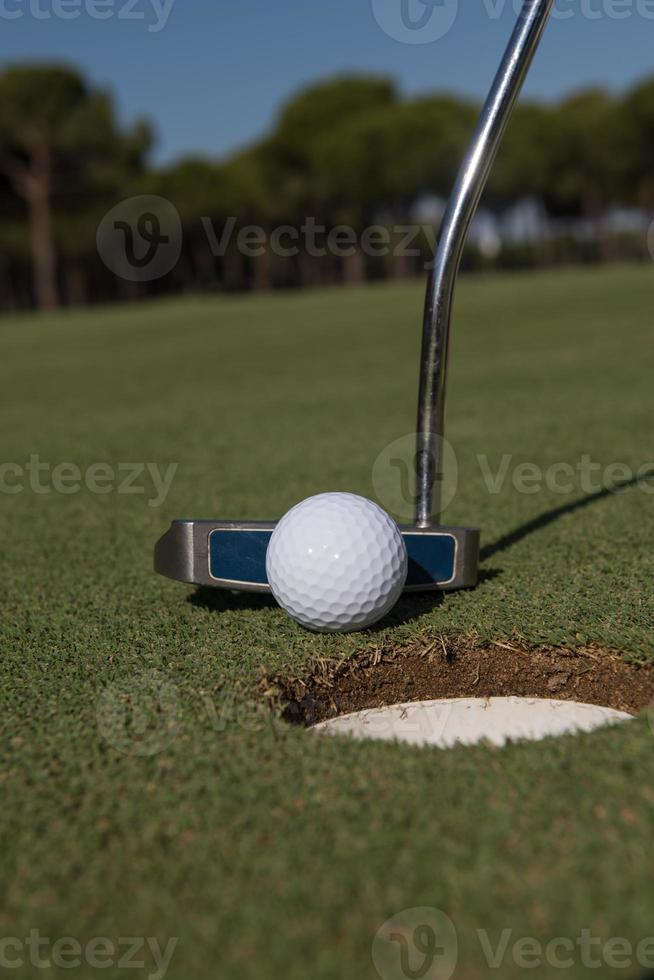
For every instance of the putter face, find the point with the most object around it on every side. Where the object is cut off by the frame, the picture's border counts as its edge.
(232, 555)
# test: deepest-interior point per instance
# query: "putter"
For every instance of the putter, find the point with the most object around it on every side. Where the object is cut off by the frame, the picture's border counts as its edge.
(232, 554)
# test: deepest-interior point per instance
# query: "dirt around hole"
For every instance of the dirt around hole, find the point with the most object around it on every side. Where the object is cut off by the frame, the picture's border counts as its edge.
(460, 668)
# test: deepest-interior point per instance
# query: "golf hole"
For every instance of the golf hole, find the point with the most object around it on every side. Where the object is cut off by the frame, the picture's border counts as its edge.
(467, 721)
(459, 692)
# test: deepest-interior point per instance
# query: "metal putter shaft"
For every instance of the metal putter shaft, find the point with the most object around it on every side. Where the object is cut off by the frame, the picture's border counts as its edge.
(469, 186)
(232, 554)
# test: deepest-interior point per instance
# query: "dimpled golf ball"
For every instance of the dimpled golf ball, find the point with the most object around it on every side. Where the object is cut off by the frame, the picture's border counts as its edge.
(336, 563)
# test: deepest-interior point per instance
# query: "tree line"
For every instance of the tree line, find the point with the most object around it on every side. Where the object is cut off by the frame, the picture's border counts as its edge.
(348, 156)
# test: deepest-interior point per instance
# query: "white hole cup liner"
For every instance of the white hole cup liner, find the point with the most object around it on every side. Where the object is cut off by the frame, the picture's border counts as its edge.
(467, 721)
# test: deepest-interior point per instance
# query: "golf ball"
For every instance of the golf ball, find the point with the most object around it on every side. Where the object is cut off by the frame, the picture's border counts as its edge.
(336, 563)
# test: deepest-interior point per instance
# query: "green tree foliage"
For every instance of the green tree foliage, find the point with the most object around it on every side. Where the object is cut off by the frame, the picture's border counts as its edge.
(524, 163)
(638, 149)
(294, 153)
(585, 141)
(326, 107)
(364, 163)
(59, 140)
(347, 151)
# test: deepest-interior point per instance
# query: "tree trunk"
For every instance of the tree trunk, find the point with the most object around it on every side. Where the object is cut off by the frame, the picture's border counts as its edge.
(42, 244)
(592, 207)
(398, 262)
(77, 293)
(206, 277)
(262, 279)
(354, 268)
(303, 271)
(233, 278)
(32, 182)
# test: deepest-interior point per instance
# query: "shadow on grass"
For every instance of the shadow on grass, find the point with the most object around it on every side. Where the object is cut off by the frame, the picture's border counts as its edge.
(543, 520)
(413, 605)
(222, 600)
(410, 606)
(407, 608)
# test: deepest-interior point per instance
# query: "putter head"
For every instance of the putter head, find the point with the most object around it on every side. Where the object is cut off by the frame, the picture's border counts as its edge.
(232, 555)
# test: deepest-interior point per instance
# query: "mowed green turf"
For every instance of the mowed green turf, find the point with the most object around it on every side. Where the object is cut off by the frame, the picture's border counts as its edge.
(192, 814)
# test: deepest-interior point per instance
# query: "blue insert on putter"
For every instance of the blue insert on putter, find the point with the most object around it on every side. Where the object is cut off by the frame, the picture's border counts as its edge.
(232, 555)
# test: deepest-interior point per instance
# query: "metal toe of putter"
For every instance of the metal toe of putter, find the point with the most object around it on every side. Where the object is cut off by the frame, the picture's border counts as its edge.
(232, 555)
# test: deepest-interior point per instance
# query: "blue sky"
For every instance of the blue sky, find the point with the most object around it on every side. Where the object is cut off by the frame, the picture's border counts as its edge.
(212, 78)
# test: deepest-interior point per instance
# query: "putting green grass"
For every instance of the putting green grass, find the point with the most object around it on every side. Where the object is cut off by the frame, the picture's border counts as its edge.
(196, 814)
